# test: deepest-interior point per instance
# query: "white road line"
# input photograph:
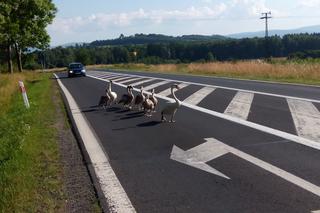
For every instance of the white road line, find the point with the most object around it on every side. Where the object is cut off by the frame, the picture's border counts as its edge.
(306, 118)
(198, 96)
(167, 92)
(240, 105)
(281, 134)
(123, 78)
(115, 77)
(105, 75)
(116, 197)
(269, 167)
(142, 82)
(231, 88)
(109, 76)
(152, 86)
(129, 80)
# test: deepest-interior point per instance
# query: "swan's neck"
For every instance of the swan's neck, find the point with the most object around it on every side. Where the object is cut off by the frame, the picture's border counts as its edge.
(130, 92)
(174, 96)
(110, 87)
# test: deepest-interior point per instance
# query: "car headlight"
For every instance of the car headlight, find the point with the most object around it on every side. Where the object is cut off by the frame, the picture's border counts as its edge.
(70, 71)
(83, 70)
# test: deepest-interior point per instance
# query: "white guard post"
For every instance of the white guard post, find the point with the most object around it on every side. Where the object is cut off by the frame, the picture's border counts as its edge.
(24, 94)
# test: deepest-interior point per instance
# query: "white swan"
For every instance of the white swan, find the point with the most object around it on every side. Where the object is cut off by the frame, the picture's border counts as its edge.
(171, 108)
(148, 106)
(113, 95)
(140, 98)
(154, 100)
(128, 98)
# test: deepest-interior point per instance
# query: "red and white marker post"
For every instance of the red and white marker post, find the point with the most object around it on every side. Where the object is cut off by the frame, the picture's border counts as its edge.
(24, 94)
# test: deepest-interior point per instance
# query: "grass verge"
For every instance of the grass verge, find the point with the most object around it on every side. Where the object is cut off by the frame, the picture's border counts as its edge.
(301, 73)
(29, 159)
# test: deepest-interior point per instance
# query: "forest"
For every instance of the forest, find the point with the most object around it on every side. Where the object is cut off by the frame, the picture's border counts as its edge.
(179, 50)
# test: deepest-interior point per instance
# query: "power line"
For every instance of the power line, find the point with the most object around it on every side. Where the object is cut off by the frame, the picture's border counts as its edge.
(266, 17)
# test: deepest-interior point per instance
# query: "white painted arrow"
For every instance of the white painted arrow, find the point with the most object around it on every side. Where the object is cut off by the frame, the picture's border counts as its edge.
(199, 155)
(212, 149)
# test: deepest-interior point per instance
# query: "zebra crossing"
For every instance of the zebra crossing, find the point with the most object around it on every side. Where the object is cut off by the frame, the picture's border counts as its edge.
(304, 115)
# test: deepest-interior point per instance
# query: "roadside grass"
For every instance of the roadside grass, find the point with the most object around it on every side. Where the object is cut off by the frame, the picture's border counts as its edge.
(29, 159)
(289, 72)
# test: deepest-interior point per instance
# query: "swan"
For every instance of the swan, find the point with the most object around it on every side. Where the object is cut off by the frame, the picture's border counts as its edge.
(171, 107)
(154, 99)
(140, 98)
(104, 101)
(127, 99)
(148, 106)
(112, 95)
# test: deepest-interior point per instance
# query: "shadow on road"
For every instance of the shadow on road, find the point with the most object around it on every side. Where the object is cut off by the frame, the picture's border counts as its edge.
(149, 124)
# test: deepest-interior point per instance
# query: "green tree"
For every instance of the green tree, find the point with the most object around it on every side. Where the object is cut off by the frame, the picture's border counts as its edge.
(24, 26)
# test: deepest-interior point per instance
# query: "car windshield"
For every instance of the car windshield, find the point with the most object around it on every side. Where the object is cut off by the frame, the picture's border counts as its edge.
(73, 66)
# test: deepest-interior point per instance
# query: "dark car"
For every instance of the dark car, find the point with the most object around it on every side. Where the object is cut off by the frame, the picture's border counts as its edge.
(76, 69)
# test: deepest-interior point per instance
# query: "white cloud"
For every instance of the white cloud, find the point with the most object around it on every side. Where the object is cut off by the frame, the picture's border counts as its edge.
(310, 3)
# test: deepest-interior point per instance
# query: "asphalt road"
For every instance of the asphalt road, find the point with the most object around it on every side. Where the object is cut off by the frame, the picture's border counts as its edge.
(140, 147)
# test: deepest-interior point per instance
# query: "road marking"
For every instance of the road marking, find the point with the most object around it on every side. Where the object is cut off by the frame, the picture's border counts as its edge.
(111, 187)
(123, 78)
(105, 75)
(109, 76)
(317, 211)
(152, 86)
(142, 82)
(306, 118)
(230, 88)
(240, 105)
(198, 96)
(281, 134)
(129, 80)
(167, 92)
(198, 156)
(115, 77)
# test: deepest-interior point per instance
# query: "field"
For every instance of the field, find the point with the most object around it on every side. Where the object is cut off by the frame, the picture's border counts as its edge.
(305, 73)
(33, 168)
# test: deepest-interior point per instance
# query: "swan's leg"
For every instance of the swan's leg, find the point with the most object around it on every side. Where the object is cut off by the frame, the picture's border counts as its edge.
(163, 119)
(172, 116)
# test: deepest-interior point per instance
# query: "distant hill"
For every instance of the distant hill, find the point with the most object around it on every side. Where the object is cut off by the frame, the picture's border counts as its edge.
(309, 29)
(155, 38)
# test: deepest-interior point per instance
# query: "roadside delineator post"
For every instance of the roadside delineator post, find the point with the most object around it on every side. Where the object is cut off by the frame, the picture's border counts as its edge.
(24, 94)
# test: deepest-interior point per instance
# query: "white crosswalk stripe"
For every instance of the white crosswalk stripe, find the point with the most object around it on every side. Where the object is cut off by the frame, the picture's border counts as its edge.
(152, 86)
(115, 77)
(129, 80)
(167, 92)
(240, 105)
(198, 96)
(306, 118)
(142, 82)
(123, 78)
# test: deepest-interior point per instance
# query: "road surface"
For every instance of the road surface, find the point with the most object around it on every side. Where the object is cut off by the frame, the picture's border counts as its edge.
(237, 146)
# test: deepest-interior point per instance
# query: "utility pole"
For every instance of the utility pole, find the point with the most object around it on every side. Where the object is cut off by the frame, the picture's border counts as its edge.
(266, 17)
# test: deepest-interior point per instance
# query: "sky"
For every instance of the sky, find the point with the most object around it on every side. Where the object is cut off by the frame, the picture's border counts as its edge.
(90, 20)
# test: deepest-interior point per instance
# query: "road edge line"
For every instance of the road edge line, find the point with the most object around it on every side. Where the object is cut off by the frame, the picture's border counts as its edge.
(109, 186)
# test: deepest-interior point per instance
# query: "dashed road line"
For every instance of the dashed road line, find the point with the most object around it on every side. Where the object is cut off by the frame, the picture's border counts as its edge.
(240, 105)
(142, 82)
(152, 86)
(306, 118)
(167, 92)
(198, 96)
(129, 80)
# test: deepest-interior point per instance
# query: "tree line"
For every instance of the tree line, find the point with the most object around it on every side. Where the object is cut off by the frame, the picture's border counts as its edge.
(292, 46)
(23, 26)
